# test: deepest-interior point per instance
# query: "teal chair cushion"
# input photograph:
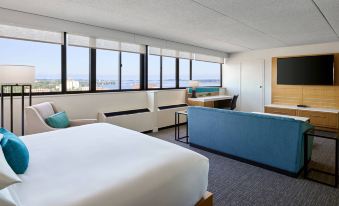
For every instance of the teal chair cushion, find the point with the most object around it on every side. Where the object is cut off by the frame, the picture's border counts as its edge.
(58, 120)
(15, 151)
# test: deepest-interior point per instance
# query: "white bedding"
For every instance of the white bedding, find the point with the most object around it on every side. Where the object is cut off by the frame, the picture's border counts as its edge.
(106, 165)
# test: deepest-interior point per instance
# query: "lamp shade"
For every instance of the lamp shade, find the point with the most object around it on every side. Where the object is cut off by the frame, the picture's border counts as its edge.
(17, 74)
(193, 84)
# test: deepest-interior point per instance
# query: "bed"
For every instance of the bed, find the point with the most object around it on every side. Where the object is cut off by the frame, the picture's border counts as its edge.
(106, 165)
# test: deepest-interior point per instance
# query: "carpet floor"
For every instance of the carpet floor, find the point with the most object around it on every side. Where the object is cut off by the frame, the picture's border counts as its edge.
(236, 183)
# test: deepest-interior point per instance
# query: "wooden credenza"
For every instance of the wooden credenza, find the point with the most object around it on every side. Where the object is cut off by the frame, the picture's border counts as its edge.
(326, 119)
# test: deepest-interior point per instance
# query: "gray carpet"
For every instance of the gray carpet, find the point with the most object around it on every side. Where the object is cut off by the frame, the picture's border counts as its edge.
(237, 183)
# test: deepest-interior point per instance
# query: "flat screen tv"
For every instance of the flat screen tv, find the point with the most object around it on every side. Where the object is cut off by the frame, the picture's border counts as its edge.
(306, 70)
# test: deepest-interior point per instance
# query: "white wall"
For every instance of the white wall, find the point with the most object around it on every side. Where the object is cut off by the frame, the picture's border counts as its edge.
(89, 105)
(267, 54)
(246, 79)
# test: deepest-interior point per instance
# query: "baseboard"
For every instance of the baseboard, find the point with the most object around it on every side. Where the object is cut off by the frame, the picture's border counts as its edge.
(251, 162)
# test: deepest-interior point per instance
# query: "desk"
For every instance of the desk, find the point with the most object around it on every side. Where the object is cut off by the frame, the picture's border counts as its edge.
(209, 101)
(304, 119)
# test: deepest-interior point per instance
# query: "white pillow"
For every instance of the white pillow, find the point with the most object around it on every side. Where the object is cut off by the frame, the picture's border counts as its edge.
(7, 175)
(6, 198)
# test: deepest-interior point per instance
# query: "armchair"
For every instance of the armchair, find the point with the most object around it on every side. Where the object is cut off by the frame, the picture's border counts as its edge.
(35, 118)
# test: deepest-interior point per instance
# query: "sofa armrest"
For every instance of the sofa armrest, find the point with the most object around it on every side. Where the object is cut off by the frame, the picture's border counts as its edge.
(79, 122)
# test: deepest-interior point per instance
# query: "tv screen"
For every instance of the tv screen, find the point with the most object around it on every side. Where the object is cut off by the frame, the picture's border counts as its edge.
(307, 70)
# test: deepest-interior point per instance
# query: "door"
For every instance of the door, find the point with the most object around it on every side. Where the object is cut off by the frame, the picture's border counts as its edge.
(252, 86)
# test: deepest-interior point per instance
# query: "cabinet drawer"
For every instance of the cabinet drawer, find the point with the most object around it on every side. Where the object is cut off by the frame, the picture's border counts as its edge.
(321, 119)
(282, 111)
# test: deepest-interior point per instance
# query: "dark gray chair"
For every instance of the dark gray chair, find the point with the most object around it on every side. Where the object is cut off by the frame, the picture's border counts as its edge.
(233, 104)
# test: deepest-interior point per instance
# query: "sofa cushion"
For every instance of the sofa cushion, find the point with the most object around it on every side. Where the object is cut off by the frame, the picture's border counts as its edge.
(45, 109)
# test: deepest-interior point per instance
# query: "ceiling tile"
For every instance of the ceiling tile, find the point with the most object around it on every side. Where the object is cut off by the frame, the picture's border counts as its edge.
(224, 25)
(330, 8)
(291, 22)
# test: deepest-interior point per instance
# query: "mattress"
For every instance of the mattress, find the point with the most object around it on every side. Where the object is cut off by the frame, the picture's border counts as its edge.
(106, 165)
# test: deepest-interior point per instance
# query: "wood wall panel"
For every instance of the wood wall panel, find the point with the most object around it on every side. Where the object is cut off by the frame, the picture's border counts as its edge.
(313, 96)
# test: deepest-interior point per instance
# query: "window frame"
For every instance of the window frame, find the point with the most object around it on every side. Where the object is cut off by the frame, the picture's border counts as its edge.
(162, 73)
(220, 72)
(40, 93)
(143, 73)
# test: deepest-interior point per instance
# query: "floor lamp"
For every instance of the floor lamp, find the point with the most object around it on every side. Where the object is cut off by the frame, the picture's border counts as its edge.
(16, 79)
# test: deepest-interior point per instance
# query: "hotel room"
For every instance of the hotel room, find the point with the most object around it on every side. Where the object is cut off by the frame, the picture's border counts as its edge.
(169, 103)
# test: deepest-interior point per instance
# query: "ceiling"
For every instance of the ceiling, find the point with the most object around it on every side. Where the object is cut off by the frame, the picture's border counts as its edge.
(223, 25)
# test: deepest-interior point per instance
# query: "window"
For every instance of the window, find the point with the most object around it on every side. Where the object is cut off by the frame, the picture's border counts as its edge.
(153, 71)
(77, 68)
(130, 70)
(168, 72)
(118, 64)
(207, 73)
(107, 70)
(45, 57)
(184, 72)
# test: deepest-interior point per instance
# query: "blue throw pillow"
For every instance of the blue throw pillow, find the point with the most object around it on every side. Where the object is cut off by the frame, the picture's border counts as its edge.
(58, 120)
(15, 151)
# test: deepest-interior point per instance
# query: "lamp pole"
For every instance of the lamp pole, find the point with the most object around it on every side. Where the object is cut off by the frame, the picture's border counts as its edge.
(11, 77)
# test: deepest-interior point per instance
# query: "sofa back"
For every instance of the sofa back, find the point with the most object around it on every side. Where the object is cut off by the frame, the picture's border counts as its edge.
(269, 140)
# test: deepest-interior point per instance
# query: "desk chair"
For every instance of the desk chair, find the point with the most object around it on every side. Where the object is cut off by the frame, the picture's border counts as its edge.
(233, 104)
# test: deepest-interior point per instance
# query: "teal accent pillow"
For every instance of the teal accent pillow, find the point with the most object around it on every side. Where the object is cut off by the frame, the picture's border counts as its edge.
(15, 151)
(58, 120)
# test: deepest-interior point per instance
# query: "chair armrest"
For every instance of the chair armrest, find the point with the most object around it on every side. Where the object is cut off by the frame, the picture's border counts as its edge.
(79, 122)
(35, 123)
(101, 117)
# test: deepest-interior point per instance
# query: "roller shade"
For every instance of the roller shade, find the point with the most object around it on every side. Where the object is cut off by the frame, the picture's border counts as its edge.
(83, 41)
(170, 53)
(209, 58)
(22, 33)
(185, 55)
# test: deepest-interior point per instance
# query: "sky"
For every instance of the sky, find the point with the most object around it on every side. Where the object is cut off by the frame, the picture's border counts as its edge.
(47, 60)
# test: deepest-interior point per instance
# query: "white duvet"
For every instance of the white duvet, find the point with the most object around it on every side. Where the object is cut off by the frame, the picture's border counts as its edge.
(106, 165)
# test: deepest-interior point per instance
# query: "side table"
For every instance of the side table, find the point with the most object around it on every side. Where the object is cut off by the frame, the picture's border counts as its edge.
(177, 127)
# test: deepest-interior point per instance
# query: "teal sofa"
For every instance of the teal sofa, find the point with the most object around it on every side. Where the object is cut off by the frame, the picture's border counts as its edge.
(272, 142)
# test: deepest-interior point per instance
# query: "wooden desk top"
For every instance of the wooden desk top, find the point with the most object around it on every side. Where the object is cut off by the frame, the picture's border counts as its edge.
(210, 98)
(303, 108)
(304, 119)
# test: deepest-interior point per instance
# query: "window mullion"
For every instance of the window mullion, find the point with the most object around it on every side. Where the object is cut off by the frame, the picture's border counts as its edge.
(176, 72)
(160, 72)
(92, 68)
(120, 67)
(64, 65)
(190, 69)
(220, 75)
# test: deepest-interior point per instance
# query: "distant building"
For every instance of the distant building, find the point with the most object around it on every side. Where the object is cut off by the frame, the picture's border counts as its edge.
(73, 85)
